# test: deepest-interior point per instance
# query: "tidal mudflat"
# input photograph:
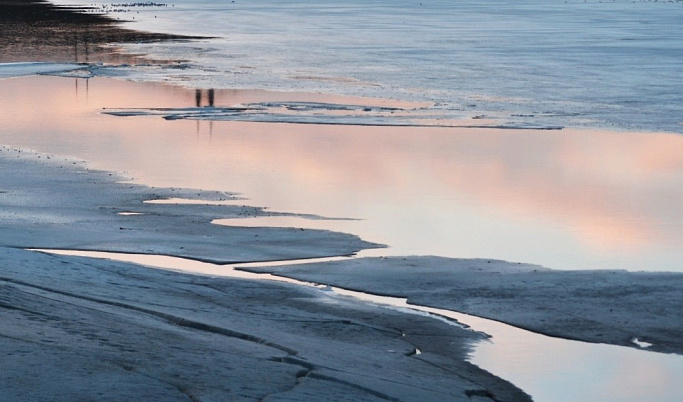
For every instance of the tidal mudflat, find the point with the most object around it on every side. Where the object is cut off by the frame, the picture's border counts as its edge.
(54, 202)
(518, 186)
(77, 328)
(615, 307)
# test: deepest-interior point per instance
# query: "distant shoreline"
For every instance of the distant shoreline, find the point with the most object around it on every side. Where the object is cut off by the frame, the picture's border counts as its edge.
(36, 30)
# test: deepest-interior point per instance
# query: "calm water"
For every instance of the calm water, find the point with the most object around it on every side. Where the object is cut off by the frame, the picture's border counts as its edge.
(565, 199)
(569, 199)
(587, 199)
(581, 63)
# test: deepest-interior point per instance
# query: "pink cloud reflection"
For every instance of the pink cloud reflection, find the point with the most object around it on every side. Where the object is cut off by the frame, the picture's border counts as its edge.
(610, 191)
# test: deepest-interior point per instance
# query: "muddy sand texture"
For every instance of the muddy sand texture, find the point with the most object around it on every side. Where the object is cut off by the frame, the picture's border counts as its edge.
(75, 328)
(59, 203)
(35, 30)
(612, 307)
(87, 329)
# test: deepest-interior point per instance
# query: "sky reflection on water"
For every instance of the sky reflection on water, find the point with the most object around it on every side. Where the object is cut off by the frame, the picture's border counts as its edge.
(565, 199)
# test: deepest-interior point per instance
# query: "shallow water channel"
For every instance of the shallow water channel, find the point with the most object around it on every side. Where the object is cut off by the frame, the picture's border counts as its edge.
(549, 369)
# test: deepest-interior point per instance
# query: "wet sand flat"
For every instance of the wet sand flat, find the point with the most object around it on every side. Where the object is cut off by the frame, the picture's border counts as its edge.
(613, 307)
(81, 328)
(49, 204)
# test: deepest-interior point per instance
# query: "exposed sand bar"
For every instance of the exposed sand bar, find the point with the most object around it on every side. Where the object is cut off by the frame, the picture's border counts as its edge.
(124, 330)
(43, 204)
(94, 329)
(20, 69)
(531, 361)
(614, 307)
(118, 331)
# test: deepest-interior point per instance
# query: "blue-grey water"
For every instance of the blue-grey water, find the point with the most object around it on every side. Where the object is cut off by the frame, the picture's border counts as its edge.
(609, 64)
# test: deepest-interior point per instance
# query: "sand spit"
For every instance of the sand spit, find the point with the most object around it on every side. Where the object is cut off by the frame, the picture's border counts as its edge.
(77, 328)
(613, 307)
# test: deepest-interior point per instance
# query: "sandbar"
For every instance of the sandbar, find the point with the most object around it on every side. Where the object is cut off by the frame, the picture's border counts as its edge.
(604, 306)
(78, 328)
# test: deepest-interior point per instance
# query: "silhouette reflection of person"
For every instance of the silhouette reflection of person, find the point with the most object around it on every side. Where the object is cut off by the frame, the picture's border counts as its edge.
(210, 97)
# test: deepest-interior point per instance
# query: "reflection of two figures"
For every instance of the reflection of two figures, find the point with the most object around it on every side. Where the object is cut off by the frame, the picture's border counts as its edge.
(199, 102)
(199, 95)
(87, 87)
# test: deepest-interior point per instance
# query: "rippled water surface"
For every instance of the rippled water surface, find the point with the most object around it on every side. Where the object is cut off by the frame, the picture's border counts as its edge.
(529, 62)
